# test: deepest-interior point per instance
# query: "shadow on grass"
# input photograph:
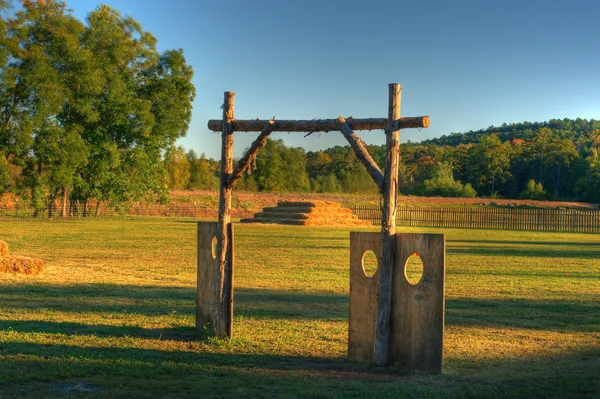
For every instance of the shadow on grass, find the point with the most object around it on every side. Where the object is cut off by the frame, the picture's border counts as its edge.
(524, 252)
(103, 371)
(161, 301)
(544, 243)
(520, 313)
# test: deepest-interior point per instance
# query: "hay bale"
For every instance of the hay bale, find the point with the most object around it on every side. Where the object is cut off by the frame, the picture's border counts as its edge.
(3, 249)
(21, 265)
(308, 213)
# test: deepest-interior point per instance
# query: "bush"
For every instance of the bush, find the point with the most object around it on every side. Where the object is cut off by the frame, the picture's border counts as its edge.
(534, 191)
(443, 184)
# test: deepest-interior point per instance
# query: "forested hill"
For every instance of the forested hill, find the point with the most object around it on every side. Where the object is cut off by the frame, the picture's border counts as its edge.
(558, 160)
(572, 129)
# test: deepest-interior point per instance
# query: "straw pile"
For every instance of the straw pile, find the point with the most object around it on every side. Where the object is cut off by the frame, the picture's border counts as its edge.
(308, 213)
(18, 264)
(3, 249)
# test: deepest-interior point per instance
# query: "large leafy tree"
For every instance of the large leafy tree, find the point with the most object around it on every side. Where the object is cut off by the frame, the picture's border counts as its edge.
(489, 163)
(280, 168)
(46, 87)
(203, 172)
(88, 111)
(144, 107)
(179, 169)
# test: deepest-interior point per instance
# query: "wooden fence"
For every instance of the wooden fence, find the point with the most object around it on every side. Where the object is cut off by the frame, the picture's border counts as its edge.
(126, 210)
(565, 220)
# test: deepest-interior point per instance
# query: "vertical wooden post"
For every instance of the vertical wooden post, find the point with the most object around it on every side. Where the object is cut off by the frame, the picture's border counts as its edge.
(381, 350)
(223, 325)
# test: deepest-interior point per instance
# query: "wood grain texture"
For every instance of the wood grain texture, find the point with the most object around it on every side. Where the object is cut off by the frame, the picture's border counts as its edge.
(222, 323)
(321, 125)
(207, 302)
(418, 310)
(363, 297)
(388, 229)
(361, 152)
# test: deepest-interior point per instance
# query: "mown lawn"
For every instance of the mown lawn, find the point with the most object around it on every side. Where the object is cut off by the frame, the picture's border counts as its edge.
(113, 316)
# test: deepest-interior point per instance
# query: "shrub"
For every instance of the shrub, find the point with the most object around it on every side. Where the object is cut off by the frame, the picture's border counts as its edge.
(534, 191)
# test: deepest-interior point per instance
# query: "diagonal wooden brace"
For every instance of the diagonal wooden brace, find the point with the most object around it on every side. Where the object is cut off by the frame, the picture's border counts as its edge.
(361, 152)
(259, 143)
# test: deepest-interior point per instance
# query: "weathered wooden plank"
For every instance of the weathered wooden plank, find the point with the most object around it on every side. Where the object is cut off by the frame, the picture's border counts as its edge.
(207, 302)
(321, 125)
(417, 322)
(388, 229)
(361, 152)
(363, 297)
(417, 311)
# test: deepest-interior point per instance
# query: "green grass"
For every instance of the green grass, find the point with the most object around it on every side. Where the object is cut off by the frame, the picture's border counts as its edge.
(113, 316)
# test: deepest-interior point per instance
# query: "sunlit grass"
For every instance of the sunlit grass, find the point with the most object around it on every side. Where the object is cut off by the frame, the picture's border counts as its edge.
(113, 315)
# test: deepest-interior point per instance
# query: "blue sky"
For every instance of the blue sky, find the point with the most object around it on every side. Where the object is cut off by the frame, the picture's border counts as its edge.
(466, 64)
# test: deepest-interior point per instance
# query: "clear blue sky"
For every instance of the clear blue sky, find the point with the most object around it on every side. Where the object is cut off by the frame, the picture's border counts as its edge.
(466, 64)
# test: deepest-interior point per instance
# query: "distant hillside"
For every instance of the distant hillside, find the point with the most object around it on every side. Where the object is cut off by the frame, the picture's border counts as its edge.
(555, 160)
(562, 128)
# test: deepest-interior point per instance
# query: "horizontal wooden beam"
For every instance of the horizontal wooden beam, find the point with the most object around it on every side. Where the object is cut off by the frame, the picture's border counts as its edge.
(319, 125)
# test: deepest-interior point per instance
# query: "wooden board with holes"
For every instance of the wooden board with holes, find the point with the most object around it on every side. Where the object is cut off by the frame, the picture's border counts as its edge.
(417, 313)
(417, 322)
(363, 297)
(206, 293)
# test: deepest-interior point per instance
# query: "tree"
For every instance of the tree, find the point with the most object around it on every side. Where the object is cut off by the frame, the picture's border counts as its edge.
(588, 187)
(489, 163)
(144, 107)
(45, 86)
(88, 111)
(4, 173)
(443, 184)
(281, 169)
(179, 169)
(203, 172)
(534, 191)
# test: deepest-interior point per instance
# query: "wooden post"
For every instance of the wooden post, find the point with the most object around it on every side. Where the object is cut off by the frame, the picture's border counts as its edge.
(223, 325)
(381, 350)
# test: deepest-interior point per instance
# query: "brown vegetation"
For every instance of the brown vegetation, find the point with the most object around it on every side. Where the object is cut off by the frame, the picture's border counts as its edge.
(257, 201)
(307, 213)
(18, 264)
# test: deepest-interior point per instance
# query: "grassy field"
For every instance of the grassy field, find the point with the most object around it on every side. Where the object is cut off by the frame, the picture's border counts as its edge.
(113, 316)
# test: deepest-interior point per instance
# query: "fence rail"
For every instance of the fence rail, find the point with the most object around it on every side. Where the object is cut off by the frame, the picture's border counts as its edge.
(131, 210)
(561, 220)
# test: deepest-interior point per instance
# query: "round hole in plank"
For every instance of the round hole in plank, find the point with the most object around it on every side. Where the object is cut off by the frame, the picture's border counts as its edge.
(413, 270)
(369, 263)
(213, 247)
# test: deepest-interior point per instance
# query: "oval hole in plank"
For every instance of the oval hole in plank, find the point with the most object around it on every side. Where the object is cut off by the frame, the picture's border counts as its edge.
(413, 270)
(369, 263)
(213, 247)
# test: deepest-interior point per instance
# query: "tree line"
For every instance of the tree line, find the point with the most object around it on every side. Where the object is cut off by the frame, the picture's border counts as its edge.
(558, 160)
(89, 111)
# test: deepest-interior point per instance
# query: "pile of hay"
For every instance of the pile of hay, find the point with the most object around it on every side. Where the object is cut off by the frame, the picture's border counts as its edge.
(18, 264)
(308, 213)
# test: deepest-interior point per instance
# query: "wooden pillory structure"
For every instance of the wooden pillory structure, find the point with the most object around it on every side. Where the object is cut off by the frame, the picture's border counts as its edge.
(391, 322)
